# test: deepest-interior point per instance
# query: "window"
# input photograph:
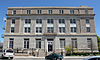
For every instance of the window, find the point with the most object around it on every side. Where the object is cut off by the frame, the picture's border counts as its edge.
(87, 21)
(11, 42)
(71, 11)
(62, 43)
(14, 12)
(27, 21)
(86, 11)
(12, 29)
(38, 29)
(50, 29)
(28, 11)
(89, 42)
(13, 21)
(39, 11)
(27, 29)
(73, 29)
(74, 43)
(61, 11)
(72, 21)
(50, 11)
(39, 21)
(62, 29)
(50, 21)
(26, 43)
(61, 21)
(38, 43)
(87, 29)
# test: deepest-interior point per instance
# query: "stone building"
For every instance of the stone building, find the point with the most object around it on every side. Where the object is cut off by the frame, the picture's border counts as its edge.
(50, 29)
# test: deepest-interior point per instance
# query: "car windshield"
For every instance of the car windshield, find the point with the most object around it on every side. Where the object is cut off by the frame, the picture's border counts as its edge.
(9, 51)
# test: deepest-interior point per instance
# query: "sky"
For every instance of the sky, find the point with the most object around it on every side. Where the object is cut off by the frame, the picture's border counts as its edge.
(4, 4)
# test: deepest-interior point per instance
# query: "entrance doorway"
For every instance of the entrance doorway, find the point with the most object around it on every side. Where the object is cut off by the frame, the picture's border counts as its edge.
(50, 45)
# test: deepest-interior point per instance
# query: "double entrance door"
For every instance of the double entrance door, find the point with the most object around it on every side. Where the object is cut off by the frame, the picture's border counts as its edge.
(50, 45)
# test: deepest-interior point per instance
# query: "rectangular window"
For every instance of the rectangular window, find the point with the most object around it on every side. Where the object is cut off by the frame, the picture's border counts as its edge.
(13, 21)
(14, 12)
(11, 42)
(87, 21)
(61, 11)
(71, 11)
(62, 29)
(38, 29)
(39, 11)
(86, 11)
(12, 29)
(50, 29)
(50, 11)
(50, 21)
(27, 21)
(72, 21)
(62, 43)
(28, 11)
(38, 21)
(38, 43)
(26, 43)
(73, 29)
(27, 29)
(87, 29)
(89, 42)
(74, 43)
(61, 21)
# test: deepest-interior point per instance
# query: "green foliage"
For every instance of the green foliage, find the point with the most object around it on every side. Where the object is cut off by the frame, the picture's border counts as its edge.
(68, 49)
(98, 43)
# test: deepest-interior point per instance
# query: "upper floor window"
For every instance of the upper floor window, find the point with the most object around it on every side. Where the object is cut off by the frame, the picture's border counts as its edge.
(27, 29)
(74, 43)
(38, 21)
(14, 12)
(72, 21)
(88, 29)
(87, 21)
(26, 43)
(61, 11)
(12, 29)
(86, 11)
(38, 29)
(71, 11)
(73, 29)
(11, 43)
(39, 11)
(50, 21)
(62, 43)
(28, 11)
(27, 21)
(50, 11)
(13, 21)
(62, 29)
(50, 29)
(61, 21)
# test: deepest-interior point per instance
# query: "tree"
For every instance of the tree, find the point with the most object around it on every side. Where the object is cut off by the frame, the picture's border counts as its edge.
(98, 43)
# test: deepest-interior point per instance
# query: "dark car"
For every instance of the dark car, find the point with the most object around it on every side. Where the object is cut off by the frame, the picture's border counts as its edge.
(54, 56)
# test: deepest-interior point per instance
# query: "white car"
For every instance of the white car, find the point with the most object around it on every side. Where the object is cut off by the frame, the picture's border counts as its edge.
(93, 58)
(8, 53)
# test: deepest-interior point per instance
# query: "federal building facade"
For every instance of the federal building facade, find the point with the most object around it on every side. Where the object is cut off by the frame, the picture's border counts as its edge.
(50, 29)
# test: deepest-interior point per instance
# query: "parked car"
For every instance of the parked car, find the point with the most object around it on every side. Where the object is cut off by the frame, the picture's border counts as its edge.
(54, 56)
(8, 53)
(93, 58)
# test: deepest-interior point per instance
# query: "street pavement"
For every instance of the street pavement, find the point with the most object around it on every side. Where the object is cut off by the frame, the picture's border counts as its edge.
(43, 58)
